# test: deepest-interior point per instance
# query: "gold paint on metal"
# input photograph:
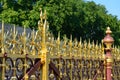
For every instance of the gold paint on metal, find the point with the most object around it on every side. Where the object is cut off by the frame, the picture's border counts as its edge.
(109, 60)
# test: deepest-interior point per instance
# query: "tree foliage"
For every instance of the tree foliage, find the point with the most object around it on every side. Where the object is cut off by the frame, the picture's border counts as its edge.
(69, 17)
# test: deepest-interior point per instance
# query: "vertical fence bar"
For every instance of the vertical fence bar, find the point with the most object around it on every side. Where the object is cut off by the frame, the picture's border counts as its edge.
(2, 50)
(70, 51)
(108, 40)
(24, 39)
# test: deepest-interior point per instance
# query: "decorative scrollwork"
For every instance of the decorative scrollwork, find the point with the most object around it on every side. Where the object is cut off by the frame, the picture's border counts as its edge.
(8, 67)
(19, 65)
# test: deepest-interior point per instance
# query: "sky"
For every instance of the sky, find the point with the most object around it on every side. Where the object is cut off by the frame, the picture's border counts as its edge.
(112, 6)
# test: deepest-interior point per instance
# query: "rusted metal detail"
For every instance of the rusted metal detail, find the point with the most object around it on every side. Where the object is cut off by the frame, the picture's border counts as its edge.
(32, 70)
(56, 70)
(52, 66)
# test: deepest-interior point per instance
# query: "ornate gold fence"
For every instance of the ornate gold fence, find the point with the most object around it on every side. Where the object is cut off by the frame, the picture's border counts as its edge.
(116, 64)
(39, 56)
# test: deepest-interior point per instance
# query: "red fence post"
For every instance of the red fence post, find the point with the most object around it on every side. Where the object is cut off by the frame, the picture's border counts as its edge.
(108, 40)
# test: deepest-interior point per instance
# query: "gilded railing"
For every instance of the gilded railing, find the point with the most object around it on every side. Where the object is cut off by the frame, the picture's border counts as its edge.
(39, 56)
(116, 64)
(76, 60)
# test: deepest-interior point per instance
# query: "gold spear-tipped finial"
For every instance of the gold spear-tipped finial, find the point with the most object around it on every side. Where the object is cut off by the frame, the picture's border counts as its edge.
(45, 15)
(102, 50)
(33, 36)
(41, 15)
(40, 22)
(32, 43)
(80, 40)
(2, 28)
(14, 34)
(65, 41)
(24, 41)
(42, 26)
(58, 39)
(14, 29)
(89, 47)
(70, 43)
(70, 46)
(89, 44)
(58, 44)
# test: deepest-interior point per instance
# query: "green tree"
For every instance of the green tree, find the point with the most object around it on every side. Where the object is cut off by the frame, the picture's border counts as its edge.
(16, 11)
(69, 17)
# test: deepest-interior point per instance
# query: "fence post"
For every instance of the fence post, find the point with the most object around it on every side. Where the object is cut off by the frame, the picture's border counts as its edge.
(44, 56)
(108, 40)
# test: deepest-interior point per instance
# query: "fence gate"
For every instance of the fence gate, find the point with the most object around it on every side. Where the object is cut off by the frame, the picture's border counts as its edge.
(39, 56)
